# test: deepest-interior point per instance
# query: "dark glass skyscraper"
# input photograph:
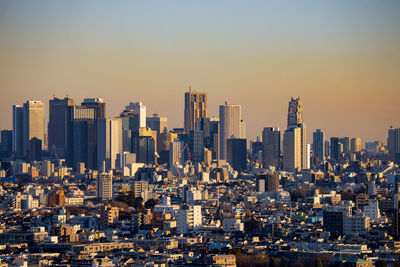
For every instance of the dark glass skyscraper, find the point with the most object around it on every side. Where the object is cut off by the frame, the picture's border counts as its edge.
(196, 146)
(335, 148)
(394, 145)
(318, 145)
(271, 140)
(58, 126)
(236, 153)
(145, 149)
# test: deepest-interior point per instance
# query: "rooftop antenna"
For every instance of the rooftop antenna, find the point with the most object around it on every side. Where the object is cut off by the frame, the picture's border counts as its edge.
(54, 95)
(190, 88)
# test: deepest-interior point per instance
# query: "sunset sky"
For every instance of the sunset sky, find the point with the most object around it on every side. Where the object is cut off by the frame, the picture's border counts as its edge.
(341, 57)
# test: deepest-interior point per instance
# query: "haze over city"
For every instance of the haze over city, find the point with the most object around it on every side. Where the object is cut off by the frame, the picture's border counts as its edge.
(340, 57)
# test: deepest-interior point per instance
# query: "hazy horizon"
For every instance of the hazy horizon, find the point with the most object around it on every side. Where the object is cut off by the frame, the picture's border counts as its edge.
(340, 57)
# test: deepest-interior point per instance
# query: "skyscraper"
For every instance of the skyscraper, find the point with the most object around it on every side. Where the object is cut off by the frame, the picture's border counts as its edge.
(157, 123)
(355, 145)
(231, 125)
(109, 135)
(18, 130)
(28, 122)
(97, 104)
(175, 150)
(105, 187)
(236, 153)
(6, 143)
(345, 141)
(195, 107)
(292, 159)
(130, 130)
(139, 109)
(318, 145)
(335, 148)
(145, 147)
(394, 144)
(196, 146)
(58, 125)
(82, 137)
(271, 142)
(295, 113)
(294, 148)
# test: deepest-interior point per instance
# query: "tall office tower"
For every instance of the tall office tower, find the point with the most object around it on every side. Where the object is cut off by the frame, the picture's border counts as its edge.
(149, 132)
(6, 143)
(210, 128)
(231, 125)
(82, 137)
(257, 150)
(271, 142)
(105, 187)
(28, 122)
(355, 145)
(345, 141)
(318, 145)
(130, 130)
(145, 146)
(109, 142)
(82, 128)
(35, 149)
(295, 121)
(157, 123)
(327, 149)
(18, 130)
(58, 126)
(175, 150)
(139, 109)
(236, 153)
(163, 141)
(394, 144)
(335, 148)
(97, 104)
(295, 113)
(196, 146)
(292, 159)
(195, 107)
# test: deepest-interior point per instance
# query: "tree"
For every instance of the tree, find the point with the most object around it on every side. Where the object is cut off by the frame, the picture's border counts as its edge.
(149, 204)
(381, 263)
(127, 197)
(318, 263)
(138, 203)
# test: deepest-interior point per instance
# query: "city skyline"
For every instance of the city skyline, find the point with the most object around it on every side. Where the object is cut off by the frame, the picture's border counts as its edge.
(344, 65)
(257, 133)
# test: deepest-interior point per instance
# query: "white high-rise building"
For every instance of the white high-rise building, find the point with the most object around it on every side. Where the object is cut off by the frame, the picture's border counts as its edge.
(139, 109)
(231, 125)
(175, 150)
(109, 136)
(189, 218)
(308, 156)
(105, 187)
(192, 195)
(372, 210)
(292, 149)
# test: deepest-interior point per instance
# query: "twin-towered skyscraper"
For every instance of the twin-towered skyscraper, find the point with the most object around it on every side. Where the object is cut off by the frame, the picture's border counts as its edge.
(231, 124)
(294, 138)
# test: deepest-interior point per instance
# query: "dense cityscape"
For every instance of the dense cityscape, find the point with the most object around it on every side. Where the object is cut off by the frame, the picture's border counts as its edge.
(90, 190)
